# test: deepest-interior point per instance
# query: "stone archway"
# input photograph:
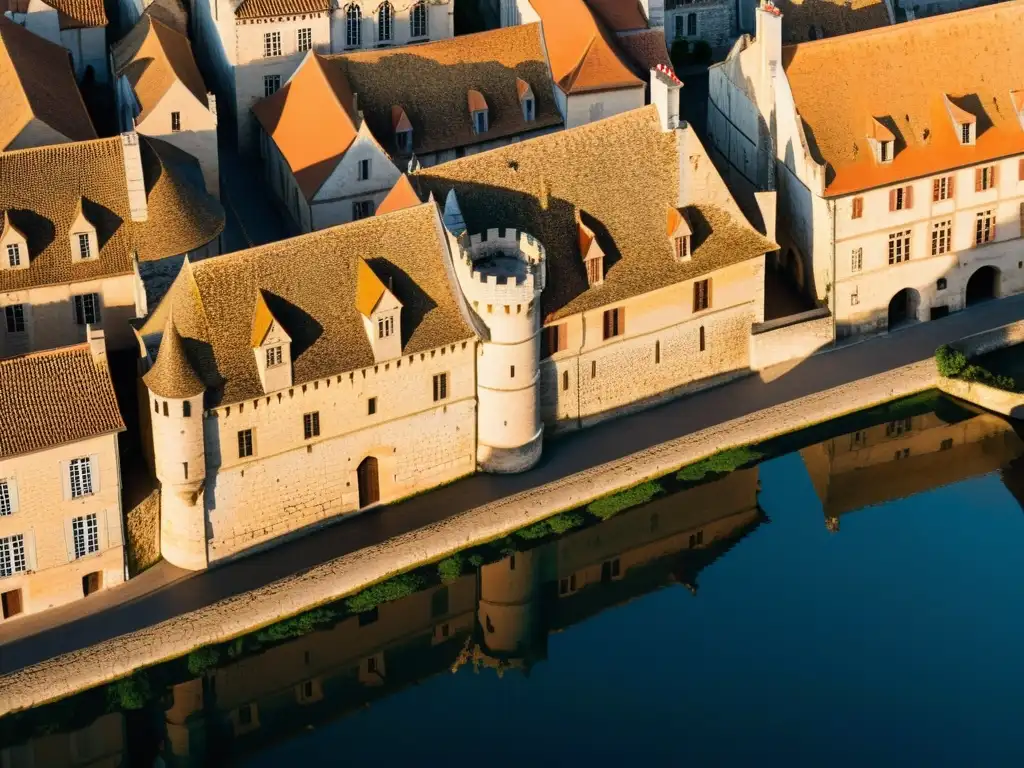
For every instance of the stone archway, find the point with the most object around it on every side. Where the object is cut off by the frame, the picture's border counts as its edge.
(368, 477)
(982, 286)
(903, 308)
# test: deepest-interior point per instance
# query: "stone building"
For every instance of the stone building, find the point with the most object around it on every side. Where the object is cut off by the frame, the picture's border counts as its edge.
(160, 93)
(318, 376)
(78, 219)
(251, 47)
(901, 198)
(60, 486)
(77, 25)
(592, 79)
(100, 744)
(332, 136)
(711, 21)
(42, 103)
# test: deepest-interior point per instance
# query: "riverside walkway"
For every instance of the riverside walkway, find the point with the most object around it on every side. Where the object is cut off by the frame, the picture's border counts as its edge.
(168, 593)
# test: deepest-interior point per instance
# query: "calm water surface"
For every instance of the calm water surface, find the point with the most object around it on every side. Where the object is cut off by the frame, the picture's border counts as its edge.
(859, 601)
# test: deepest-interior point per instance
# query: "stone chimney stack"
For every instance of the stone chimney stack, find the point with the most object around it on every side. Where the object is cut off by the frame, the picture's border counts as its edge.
(768, 36)
(97, 344)
(665, 87)
(133, 175)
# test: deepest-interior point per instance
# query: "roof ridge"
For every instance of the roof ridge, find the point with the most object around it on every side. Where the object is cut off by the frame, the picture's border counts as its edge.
(570, 77)
(65, 146)
(81, 345)
(10, 24)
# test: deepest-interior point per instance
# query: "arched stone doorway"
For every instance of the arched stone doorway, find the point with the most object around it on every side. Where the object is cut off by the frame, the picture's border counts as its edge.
(903, 308)
(369, 482)
(983, 285)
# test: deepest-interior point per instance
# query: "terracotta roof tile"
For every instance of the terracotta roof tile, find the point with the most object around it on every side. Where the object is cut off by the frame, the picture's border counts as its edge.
(581, 52)
(646, 48)
(476, 102)
(369, 288)
(310, 286)
(153, 57)
(839, 84)
(830, 17)
(399, 120)
(619, 15)
(256, 9)
(431, 81)
(539, 186)
(262, 320)
(55, 397)
(310, 120)
(36, 81)
(402, 195)
(172, 375)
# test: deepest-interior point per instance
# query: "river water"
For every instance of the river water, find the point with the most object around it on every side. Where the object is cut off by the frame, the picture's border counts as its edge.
(857, 600)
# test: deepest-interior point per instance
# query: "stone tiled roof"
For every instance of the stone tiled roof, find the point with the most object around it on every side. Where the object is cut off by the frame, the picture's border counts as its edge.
(431, 83)
(257, 9)
(840, 84)
(582, 55)
(172, 13)
(73, 14)
(55, 397)
(310, 120)
(172, 375)
(36, 81)
(309, 283)
(154, 57)
(619, 15)
(620, 174)
(646, 48)
(830, 18)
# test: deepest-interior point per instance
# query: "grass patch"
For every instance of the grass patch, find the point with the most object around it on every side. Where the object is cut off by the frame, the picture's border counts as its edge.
(395, 588)
(129, 693)
(557, 525)
(610, 506)
(203, 659)
(719, 463)
(297, 626)
(449, 569)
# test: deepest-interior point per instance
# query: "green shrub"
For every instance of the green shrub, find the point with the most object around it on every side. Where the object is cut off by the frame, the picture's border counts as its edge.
(535, 531)
(395, 588)
(984, 376)
(631, 497)
(953, 363)
(701, 52)
(949, 361)
(719, 463)
(680, 53)
(565, 522)
(202, 659)
(296, 626)
(450, 568)
(476, 560)
(129, 693)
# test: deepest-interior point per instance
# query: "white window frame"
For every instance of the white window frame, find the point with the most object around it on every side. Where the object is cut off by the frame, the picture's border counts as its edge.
(385, 326)
(271, 85)
(8, 498)
(418, 26)
(942, 237)
(353, 26)
(985, 227)
(85, 535)
(480, 121)
(304, 39)
(248, 442)
(14, 316)
(80, 479)
(275, 356)
(899, 247)
(271, 44)
(857, 260)
(385, 22)
(87, 309)
(362, 209)
(84, 246)
(14, 254)
(13, 558)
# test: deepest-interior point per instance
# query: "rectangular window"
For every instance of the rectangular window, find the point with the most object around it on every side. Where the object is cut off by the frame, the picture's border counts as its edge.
(555, 339)
(899, 247)
(858, 207)
(942, 237)
(271, 44)
(15, 314)
(701, 295)
(84, 249)
(364, 170)
(857, 260)
(175, 121)
(901, 199)
(86, 534)
(481, 121)
(12, 555)
(371, 406)
(985, 228)
(565, 380)
(942, 189)
(311, 424)
(304, 39)
(703, 339)
(593, 369)
(362, 209)
(244, 443)
(80, 477)
(682, 247)
(385, 326)
(984, 178)
(6, 505)
(657, 352)
(87, 309)
(274, 356)
(855, 296)
(614, 322)
(271, 84)
(14, 254)
(595, 271)
(440, 387)
(691, 25)
(186, 409)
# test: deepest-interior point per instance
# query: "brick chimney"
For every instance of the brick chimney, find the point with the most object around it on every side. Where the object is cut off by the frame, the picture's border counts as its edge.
(665, 87)
(133, 176)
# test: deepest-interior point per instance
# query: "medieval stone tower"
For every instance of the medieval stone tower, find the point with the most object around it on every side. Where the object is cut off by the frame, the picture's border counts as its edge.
(502, 274)
(176, 412)
(509, 612)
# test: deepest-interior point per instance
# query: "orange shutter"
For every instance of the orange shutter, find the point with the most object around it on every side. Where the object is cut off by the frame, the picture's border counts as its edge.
(892, 199)
(563, 337)
(1020, 170)
(994, 176)
(621, 312)
(908, 198)
(935, 191)
(949, 187)
(977, 179)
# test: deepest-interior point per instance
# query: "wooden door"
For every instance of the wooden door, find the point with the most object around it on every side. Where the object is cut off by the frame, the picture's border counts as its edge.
(369, 485)
(11, 603)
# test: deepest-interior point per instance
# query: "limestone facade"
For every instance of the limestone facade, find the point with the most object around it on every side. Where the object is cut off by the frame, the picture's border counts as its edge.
(80, 28)
(713, 21)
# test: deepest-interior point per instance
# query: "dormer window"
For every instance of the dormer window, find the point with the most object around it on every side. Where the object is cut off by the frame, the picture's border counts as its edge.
(882, 141)
(274, 356)
(14, 255)
(478, 111)
(526, 100)
(84, 247)
(403, 129)
(83, 237)
(403, 140)
(381, 312)
(271, 346)
(385, 326)
(679, 233)
(1017, 101)
(964, 122)
(13, 246)
(590, 251)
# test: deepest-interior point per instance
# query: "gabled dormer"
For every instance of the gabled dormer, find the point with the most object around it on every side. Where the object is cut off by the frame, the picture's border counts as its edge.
(82, 237)
(526, 100)
(679, 233)
(882, 141)
(403, 130)
(381, 311)
(590, 252)
(1017, 102)
(478, 111)
(964, 123)
(271, 346)
(13, 246)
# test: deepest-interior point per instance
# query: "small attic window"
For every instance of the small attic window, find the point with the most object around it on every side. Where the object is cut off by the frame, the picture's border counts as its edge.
(590, 251)
(679, 234)
(526, 100)
(882, 141)
(1017, 100)
(402, 128)
(965, 124)
(13, 246)
(478, 111)
(82, 236)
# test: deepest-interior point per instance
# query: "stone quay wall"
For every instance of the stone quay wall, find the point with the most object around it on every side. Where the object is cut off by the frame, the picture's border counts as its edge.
(73, 672)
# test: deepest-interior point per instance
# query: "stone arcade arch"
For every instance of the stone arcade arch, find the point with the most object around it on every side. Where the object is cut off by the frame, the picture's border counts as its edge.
(982, 285)
(903, 308)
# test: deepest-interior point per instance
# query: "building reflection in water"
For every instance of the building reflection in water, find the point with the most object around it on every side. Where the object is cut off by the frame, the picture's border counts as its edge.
(909, 455)
(498, 617)
(101, 744)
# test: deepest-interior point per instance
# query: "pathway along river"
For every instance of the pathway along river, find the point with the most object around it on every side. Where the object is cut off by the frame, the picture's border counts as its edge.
(859, 599)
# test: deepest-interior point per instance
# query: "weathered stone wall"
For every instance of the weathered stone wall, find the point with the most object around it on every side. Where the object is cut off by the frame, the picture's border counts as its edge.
(790, 338)
(142, 531)
(716, 23)
(982, 395)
